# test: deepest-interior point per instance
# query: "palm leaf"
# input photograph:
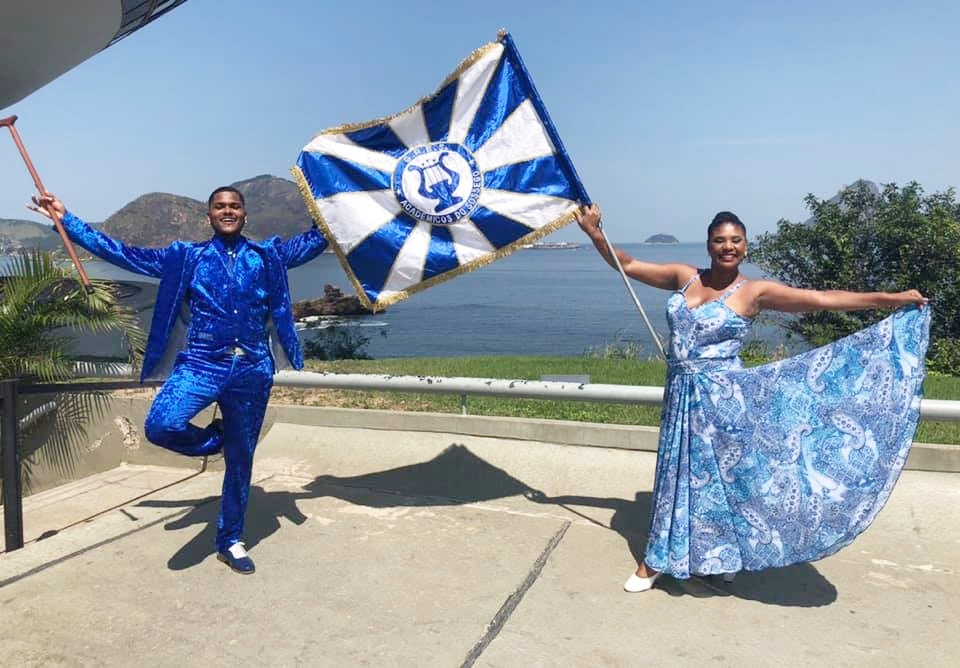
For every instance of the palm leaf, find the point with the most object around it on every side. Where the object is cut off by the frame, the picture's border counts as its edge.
(43, 308)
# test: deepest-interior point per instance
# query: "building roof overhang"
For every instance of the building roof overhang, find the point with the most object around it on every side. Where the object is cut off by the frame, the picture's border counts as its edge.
(43, 39)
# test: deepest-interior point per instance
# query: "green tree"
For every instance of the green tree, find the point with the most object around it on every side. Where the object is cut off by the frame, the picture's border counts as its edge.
(42, 309)
(337, 342)
(896, 239)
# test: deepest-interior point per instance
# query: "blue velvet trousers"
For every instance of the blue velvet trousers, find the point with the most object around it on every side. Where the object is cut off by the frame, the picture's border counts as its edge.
(241, 387)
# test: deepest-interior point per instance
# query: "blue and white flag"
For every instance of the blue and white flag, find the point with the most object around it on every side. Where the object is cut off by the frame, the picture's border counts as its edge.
(460, 179)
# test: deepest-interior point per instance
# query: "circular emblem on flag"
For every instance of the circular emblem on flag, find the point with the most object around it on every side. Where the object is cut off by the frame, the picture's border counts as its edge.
(438, 183)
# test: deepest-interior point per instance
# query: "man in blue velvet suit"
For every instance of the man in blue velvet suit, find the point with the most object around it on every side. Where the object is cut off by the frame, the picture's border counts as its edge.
(221, 326)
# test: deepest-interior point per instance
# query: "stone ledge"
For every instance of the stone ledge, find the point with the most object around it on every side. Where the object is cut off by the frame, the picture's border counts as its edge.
(118, 437)
(923, 456)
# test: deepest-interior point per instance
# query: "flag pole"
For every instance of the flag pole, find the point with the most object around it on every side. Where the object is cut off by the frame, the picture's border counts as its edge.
(626, 282)
(511, 48)
(57, 223)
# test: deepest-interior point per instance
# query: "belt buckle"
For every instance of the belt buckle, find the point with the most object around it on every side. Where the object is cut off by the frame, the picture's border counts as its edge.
(237, 351)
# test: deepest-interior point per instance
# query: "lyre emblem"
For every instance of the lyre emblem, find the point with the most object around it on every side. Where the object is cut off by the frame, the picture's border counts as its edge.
(438, 182)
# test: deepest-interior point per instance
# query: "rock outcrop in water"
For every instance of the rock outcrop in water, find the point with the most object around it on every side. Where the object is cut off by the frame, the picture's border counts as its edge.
(333, 302)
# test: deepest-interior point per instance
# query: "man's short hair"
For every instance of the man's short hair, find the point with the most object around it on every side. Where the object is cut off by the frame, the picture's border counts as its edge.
(225, 189)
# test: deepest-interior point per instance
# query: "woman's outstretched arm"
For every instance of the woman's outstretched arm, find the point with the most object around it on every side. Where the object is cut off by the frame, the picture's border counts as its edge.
(668, 276)
(774, 296)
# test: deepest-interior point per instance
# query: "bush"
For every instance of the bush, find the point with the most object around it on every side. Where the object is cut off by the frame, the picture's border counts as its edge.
(618, 349)
(336, 343)
(944, 356)
(866, 240)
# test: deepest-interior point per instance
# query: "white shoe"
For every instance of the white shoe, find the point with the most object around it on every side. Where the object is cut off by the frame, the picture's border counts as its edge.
(236, 557)
(635, 583)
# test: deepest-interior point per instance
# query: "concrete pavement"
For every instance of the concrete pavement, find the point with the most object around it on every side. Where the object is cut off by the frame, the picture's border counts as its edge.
(406, 548)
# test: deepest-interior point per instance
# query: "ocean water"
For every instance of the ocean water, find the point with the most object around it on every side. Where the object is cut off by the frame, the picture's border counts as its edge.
(533, 302)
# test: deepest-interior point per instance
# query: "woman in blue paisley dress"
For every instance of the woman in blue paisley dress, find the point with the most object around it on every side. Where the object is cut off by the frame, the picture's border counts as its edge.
(781, 463)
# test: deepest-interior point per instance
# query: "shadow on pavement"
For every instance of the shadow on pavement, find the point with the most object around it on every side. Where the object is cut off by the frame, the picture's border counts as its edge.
(800, 585)
(263, 519)
(457, 476)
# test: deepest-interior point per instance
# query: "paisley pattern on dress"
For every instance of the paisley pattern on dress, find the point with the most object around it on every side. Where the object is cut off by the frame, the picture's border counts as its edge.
(782, 463)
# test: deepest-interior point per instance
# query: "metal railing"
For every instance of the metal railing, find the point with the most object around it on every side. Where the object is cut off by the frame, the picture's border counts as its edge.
(930, 409)
(10, 390)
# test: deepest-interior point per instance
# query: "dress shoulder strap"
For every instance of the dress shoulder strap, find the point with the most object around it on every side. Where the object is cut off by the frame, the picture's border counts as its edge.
(691, 280)
(732, 289)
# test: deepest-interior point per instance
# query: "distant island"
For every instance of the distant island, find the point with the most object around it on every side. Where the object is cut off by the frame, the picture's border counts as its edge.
(662, 239)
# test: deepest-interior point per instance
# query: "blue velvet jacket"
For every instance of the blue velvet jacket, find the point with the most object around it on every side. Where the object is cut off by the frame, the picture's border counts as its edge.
(174, 266)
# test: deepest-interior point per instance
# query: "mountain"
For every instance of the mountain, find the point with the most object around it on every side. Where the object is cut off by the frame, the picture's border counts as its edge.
(157, 219)
(16, 235)
(870, 186)
(274, 207)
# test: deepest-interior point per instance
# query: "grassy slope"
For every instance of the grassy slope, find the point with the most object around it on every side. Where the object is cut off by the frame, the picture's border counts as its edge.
(612, 371)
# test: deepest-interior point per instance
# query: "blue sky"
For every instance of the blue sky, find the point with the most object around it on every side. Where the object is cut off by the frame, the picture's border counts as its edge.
(670, 111)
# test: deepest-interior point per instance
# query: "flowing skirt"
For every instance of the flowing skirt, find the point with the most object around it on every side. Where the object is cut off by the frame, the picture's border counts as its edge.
(786, 462)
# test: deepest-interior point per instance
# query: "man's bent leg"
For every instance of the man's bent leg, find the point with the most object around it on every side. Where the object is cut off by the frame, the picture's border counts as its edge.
(243, 402)
(190, 388)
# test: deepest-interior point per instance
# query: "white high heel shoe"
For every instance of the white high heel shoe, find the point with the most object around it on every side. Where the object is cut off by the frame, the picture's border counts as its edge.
(636, 584)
